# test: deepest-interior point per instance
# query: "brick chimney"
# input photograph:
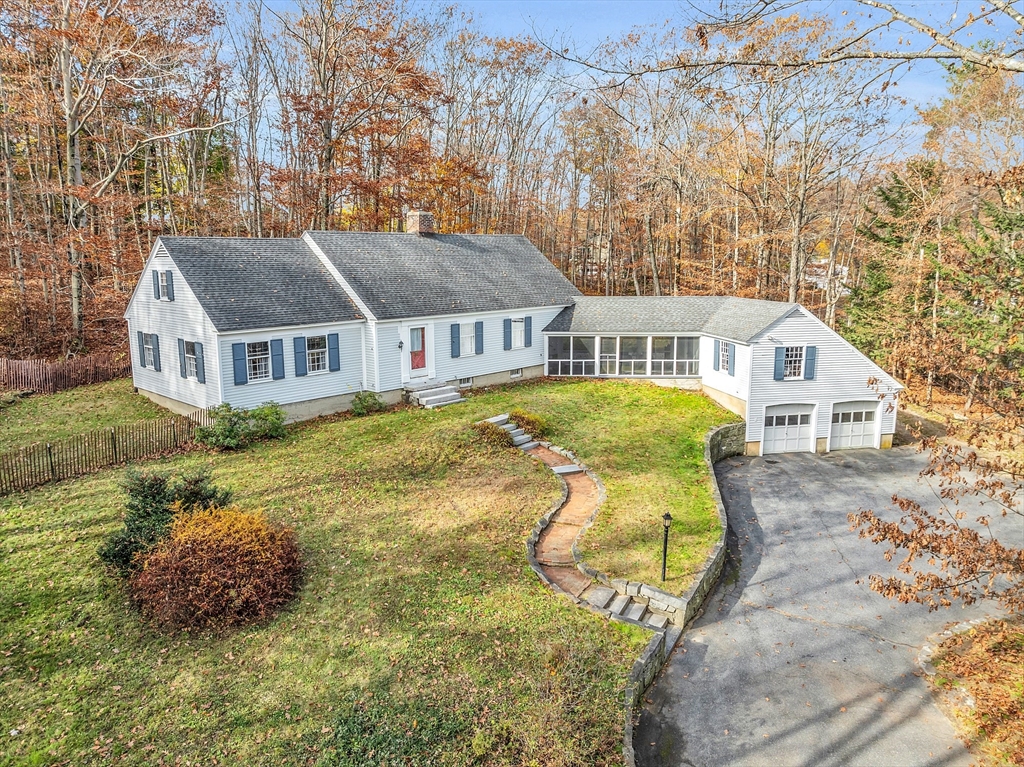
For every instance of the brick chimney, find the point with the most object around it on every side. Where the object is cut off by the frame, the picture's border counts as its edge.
(419, 222)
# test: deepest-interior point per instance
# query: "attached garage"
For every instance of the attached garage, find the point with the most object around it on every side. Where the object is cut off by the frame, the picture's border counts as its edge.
(788, 429)
(854, 424)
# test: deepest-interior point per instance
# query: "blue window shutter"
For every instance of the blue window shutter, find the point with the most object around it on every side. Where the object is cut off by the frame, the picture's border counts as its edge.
(156, 352)
(181, 357)
(508, 333)
(276, 359)
(200, 364)
(299, 342)
(455, 340)
(170, 285)
(732, 359)
(238, 356)
(333, 355)
(156, 284)
(780, 363)
(479, 336)
(718, 354)
(528, 331)
(810, 360)
(142, 351)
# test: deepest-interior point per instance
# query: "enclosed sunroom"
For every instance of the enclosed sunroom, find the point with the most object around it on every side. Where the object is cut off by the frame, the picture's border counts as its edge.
(629, 356)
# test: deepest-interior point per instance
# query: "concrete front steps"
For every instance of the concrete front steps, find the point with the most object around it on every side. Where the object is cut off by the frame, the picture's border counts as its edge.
(632, 608)
(520, 438)
(432, 394)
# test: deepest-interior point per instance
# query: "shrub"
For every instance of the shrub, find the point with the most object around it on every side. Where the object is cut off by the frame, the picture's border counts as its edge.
(531, 423)
(153, 498)
(366, 402)
(219, 566)
(493, 434)
(235, 428)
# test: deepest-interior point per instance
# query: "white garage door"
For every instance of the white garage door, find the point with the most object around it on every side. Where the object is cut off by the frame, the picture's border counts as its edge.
(853, 425)
(787, 429)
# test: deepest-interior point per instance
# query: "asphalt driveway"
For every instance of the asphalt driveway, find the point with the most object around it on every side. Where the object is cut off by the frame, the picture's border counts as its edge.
(795, 661)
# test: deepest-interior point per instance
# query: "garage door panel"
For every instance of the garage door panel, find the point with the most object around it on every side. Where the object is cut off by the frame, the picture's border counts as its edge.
(787, 429)
(854, 425)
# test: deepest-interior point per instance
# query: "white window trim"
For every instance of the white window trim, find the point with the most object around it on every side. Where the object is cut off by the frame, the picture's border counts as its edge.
(520, 323)
(148, 353)
(803, 359)
(191, 365)
(467, 339)
(327, 363)
(515, 373)
(250, 357)
(162, 279)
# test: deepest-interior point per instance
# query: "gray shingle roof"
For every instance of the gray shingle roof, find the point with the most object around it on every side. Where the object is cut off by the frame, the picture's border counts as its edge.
(410, 275)
(737, 319)
(246, 283)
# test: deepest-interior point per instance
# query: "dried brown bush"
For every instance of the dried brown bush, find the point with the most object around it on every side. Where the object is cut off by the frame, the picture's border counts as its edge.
(493, 434)
(218, 567)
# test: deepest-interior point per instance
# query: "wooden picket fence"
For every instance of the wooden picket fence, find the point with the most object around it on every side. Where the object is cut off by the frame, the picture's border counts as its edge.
(49, 377)
(87, 453)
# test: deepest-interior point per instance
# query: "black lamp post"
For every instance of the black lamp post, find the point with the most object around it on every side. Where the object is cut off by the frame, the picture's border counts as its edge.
(666, 521)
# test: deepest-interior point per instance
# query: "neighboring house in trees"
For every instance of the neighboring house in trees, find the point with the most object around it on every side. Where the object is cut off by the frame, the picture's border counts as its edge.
(311, 321)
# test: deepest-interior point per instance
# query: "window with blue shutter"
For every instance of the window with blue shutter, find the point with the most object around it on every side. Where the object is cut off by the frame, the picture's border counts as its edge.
(156, 352)
(333, 353)
(181, 358)
(528, 332)
(780, 363)
(716, 358)
(142, 350)
(507, 323)
(277, 358)
(456, 330)
(479, 331)
(299, 343)
(238, 358)
(810, 360)
(200, 364)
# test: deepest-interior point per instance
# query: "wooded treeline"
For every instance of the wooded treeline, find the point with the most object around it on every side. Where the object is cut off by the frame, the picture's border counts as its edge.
(121, 120)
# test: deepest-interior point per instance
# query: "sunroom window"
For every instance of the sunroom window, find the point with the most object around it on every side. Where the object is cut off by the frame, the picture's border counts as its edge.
(633, 355)
(672, 356)
(568, 355)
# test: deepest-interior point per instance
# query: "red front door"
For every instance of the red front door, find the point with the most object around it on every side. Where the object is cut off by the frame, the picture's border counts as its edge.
(417, 350)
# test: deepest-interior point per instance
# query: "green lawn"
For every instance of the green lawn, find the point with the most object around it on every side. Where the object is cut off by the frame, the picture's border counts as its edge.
(47, 417)
(420, 630)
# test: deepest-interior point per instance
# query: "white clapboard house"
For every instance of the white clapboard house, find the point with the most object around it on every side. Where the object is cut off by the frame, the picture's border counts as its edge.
(309, 322)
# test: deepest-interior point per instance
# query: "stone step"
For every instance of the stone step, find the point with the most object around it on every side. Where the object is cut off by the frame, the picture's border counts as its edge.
(635, 611)
(620, 603)
(569, 468)
(499, 420)
(437, 390)
(528, 446)
(517, 432)
(672, 634)
(509, 426)
(598, 595)
(658, 621)
(522, 439)
(445, 403)
(439, 399)
(425, 385)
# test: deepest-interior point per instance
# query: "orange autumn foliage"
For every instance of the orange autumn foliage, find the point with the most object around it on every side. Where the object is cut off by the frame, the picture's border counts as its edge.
(218, 567)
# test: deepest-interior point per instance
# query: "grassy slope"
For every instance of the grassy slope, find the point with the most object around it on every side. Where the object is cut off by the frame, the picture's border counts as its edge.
(44, 417)
(418, 611)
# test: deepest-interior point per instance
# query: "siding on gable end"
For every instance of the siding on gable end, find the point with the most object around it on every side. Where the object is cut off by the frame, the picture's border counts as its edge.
(840, 375)
(182, 318)
(292, 388)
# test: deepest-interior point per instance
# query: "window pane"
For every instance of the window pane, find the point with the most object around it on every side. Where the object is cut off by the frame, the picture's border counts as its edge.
(687, 348)
(315, 343)
(633, 348)
(258, 348)
(858, 417)
(607, 345)
(558, 348)
(662, 348)
(844, 418)
(835, 418)
(793, 420)
(769, 420)
(869, 415)
(583, 348)
(805, 419)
